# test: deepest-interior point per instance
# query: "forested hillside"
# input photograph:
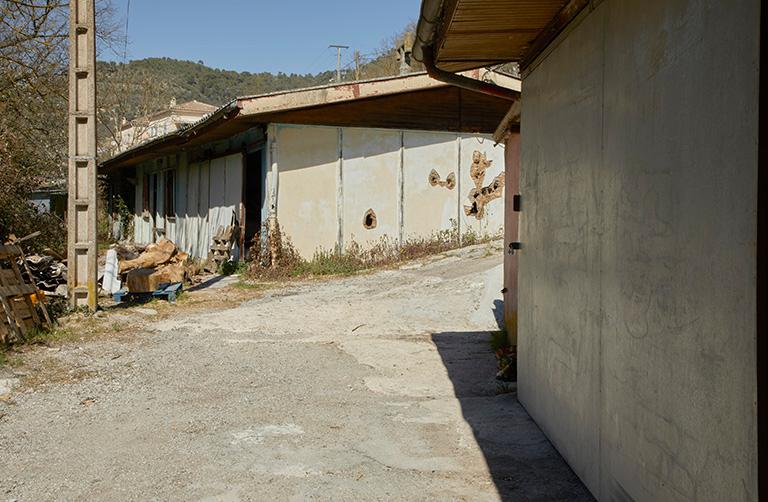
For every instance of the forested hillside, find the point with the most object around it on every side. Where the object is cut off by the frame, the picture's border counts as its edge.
(187, 80)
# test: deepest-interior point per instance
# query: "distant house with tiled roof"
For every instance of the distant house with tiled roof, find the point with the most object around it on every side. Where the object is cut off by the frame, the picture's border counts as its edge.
(171, 119)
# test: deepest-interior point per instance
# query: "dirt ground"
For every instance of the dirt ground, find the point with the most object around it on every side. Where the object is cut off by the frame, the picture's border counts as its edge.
(373, 387)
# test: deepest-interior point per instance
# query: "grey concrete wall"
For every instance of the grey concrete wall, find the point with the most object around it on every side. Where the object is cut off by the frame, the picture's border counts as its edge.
(637, 277)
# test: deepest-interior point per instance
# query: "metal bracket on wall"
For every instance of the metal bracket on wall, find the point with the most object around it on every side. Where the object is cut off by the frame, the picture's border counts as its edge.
(514, 246)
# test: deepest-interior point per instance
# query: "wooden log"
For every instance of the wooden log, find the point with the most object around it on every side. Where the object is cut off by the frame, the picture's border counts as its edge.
(154, 256)
(147, 280)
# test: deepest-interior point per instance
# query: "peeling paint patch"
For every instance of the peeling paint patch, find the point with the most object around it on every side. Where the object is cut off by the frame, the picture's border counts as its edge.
(449, 183)
(479, 196)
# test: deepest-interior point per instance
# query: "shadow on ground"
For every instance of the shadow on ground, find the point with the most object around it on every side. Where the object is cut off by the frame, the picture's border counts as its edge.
(523, 463)
(210, 282)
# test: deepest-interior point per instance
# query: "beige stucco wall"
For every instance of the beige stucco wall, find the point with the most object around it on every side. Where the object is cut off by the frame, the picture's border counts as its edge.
(306, 197)
(493, 220)
(371, 160)
(329, 177)
(429, 209)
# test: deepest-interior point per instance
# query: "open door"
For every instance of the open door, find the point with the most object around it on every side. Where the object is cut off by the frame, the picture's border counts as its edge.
(253, 196)
(762, 267)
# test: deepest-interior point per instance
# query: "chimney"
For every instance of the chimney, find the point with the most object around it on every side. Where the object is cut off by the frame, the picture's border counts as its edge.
(404, 54)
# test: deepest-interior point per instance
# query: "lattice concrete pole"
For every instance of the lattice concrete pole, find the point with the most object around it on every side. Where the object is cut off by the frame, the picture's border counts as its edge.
(82, 271)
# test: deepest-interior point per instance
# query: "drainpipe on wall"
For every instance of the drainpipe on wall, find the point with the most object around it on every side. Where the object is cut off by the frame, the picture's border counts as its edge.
(274, 232)
(428, 58)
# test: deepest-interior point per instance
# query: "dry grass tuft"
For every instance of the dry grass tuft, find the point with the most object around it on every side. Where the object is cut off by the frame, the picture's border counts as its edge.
(285, 261)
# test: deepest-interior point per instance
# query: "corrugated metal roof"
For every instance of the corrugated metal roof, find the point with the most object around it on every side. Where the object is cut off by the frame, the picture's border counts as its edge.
(468, 34)
(416, 101)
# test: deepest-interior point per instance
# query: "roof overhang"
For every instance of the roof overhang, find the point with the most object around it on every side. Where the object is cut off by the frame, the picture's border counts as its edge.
(466, 34)
(415, 102)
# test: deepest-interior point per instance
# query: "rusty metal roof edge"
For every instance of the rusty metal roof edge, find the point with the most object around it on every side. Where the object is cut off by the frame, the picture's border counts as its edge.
(332, 85)
(237, 105)
(310, 97)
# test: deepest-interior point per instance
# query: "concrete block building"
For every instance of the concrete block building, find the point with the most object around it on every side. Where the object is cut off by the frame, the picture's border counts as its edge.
(639, 283)
(393, 158)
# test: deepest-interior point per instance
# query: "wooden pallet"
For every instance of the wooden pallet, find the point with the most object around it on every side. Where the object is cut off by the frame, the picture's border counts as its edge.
(18, 316)
(167, 290)
(221, 249)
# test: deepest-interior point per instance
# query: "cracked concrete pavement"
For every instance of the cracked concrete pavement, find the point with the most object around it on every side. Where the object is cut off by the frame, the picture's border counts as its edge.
(372, 387)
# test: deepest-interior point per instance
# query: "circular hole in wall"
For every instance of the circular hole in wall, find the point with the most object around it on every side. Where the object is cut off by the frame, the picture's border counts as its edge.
(369, 219)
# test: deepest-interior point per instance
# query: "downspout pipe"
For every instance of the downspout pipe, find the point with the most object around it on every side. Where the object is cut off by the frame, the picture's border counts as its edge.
(428, 58)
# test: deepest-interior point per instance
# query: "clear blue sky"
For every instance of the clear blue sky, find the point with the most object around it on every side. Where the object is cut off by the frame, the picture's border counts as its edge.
(291, 36)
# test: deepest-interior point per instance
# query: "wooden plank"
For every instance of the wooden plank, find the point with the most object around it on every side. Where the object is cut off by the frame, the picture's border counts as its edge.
(9, 252)
(17, 290)
(10, 319)
(40, 297)
(21, 309)
(27, 298)
(8, 278)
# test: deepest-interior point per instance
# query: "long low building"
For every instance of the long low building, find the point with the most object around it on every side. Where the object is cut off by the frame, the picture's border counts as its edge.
(394, 158)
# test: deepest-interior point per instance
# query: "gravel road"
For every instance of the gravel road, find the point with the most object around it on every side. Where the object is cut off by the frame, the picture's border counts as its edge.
(373, 387)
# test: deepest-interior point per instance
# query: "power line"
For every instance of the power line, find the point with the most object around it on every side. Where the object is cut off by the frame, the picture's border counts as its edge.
(314, 66)
(127, 17)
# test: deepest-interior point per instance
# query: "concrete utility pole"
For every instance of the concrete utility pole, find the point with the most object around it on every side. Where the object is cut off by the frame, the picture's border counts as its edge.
(81, 216)
(338, 59)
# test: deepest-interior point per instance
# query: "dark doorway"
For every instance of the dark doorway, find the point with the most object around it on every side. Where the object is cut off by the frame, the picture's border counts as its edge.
(762, 266)
(253, 196)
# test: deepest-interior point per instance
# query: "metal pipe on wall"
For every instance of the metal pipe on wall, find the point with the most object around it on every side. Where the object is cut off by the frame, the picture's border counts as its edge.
(463, 82)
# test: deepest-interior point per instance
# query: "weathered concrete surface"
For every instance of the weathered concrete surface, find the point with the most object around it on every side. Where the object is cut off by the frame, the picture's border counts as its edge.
(377, 387)
(637, 275)
(322, 199)
(306, 191)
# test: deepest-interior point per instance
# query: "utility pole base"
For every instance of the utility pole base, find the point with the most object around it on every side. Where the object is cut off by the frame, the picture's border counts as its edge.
(81, 216)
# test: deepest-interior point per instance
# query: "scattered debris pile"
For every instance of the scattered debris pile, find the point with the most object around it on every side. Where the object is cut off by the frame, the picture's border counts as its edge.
(159, 263)
(48, 273)
(19, 298)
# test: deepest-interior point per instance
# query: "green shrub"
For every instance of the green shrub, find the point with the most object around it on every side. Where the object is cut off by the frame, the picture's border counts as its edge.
(233, 268)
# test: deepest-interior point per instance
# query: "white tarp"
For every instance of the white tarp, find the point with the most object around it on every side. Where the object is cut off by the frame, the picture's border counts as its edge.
(212, 195)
